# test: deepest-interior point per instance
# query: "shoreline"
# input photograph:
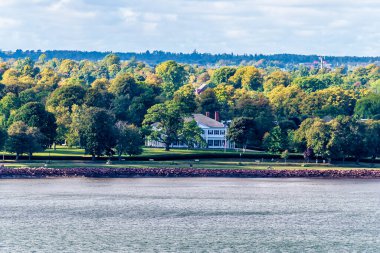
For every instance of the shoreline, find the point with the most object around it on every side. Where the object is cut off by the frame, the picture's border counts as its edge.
(8, 173)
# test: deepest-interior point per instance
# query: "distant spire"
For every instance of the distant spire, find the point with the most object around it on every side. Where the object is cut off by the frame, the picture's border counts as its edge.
(321, 59)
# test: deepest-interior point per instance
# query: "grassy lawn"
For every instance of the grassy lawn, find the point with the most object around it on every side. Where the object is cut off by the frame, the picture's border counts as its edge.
(214, 163)
(206, 164)
(148, 152)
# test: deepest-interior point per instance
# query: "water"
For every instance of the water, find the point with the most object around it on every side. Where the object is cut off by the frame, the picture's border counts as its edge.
(189, 215)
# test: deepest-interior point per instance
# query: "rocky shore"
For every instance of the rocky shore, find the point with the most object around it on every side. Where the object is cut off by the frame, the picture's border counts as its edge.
(176, 172)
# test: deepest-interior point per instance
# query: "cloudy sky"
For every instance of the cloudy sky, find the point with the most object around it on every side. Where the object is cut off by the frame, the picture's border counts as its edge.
(325, 27)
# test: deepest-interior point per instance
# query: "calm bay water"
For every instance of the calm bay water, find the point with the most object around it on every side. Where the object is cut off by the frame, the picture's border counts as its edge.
(189, 215)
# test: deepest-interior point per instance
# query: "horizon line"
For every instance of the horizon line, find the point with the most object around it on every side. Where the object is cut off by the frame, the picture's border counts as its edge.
(187, 53)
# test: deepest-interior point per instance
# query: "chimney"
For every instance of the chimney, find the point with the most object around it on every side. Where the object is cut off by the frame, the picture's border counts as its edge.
(217, 116)
(208, 114)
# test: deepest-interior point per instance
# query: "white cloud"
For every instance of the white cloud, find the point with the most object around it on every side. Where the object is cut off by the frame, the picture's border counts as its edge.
(333, 27)
(129, 15)
(7, 23)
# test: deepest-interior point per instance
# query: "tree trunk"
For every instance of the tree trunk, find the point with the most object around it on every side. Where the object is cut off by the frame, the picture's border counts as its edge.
(93, 157)
(17, 155)
(119, 156)
(30, 156)
(167, 146)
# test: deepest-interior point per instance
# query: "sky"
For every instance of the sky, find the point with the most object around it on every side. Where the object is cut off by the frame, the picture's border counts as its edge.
(323, 27)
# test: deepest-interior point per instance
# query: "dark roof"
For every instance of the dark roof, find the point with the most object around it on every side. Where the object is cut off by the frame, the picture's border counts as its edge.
(204, 120)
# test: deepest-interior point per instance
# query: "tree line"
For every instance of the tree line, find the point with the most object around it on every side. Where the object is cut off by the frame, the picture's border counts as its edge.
(288, 61)
(108, 107)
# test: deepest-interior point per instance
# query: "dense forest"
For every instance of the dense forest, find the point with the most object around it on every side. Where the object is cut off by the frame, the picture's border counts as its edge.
(108, 106)
(285, 61)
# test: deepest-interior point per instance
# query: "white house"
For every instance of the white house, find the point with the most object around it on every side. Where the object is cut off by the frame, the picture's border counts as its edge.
(214, 133)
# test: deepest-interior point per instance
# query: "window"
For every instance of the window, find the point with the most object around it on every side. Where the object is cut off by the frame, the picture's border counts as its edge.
(216, 132)
(210, 132)
(217, 143)
(222, 132)
(210, 143)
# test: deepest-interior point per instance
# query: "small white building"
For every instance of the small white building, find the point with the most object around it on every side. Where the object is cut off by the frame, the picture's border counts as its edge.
(214, 133)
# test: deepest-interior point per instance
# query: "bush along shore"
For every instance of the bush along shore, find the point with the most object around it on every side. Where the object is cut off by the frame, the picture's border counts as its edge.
(183, 172)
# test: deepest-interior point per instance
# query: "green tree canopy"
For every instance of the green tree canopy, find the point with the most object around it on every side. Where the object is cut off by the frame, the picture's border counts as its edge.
(185, 97)
(222, 75)
(310, 83)
(372, 138)
(111, 59)
(23, 139)
(258, 108)
(34, 114)
(173, 75)
(275, 141)
(96, 131)
(247, 77)
(124, 85)
(66, 96)
(191, 135)
(165, 121)
(277, 78)
(242, 131)
(128, 139)
(368, 107)
(208, 102)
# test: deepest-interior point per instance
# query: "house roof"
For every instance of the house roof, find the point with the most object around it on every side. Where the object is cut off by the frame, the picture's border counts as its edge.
(201, 88)
(204, 120)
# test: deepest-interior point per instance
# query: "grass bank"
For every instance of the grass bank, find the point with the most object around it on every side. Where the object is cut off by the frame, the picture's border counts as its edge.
(62, 157)
(247, 164)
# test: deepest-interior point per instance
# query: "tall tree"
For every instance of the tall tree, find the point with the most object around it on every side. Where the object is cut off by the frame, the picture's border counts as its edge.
(3, 138)
(165, 121)
(61, 103)
(23, 139)
(372, 138)
(255, 106)
(347, 138)
(96, 131)
(191, 135)
(128, 139)
(318, 137)
(34, 114)
(173, 75)
(242, 131)
(275, 141)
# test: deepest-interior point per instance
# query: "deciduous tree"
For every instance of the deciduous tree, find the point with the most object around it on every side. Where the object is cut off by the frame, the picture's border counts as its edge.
(128, 139)
(242, 131)
(97, 131)
(165, 121)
